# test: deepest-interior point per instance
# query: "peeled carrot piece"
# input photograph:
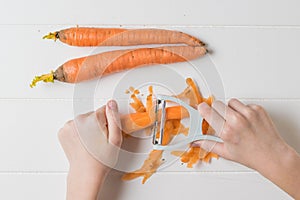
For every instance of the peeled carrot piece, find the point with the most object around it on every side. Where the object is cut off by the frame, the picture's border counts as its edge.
(136, 121)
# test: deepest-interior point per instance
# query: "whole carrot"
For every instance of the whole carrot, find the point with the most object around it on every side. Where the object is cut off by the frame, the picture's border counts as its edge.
(87, 36)
(91, 67)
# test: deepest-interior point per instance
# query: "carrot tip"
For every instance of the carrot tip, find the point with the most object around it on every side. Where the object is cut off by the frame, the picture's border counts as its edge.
(45, 78)
(51, 36)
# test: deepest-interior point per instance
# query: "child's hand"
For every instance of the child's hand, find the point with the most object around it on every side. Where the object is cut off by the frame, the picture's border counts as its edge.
(91, 143)
(249, 134)
(251, 138)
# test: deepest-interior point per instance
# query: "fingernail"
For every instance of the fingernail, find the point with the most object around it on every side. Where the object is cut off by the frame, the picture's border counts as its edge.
(194, 145)
(112, 105)
(202, 106)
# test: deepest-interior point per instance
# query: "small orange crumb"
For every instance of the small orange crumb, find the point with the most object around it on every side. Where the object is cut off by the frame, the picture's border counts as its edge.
(131, 89)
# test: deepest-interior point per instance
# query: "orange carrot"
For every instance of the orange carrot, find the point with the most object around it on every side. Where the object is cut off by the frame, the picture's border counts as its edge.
(88, 36)
(91, 67)
(136, 121)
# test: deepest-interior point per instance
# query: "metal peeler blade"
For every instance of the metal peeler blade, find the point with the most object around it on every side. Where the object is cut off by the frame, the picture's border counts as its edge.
(195, 130)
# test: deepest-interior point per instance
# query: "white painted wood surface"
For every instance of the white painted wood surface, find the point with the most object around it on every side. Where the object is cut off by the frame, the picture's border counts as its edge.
(255, 50)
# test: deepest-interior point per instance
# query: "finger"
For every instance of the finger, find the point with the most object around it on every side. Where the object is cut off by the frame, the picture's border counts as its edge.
(102, 122)
(237, 106)
(211, 146)
(222, 109)
(256, 112)
(113, 120)
(257, 108)
(248, 112)
(85, 114)
(212, 117)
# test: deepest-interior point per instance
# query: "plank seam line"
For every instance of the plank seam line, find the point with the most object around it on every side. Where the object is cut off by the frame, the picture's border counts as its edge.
(104, 99)
(263, 26)
(171, 172)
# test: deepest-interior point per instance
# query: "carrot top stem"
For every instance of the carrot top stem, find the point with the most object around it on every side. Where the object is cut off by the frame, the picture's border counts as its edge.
(45, 77)
(51, 36)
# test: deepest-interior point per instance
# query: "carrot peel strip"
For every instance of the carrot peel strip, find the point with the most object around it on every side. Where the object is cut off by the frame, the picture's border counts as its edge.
(150, 165)
(194, 87)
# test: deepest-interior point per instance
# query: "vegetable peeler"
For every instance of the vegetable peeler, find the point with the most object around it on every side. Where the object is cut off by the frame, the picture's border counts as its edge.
(195, 130)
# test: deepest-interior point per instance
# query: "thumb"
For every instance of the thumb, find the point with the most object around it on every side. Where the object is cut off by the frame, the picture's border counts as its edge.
(113, 123)
(211, 146)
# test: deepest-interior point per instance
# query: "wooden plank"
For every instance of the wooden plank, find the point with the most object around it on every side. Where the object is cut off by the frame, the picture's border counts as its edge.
(32, 186)
(190, 12)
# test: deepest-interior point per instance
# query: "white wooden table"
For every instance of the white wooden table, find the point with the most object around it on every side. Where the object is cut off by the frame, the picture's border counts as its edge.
(255, 50)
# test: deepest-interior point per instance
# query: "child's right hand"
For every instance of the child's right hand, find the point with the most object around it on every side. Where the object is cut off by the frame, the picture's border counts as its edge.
(251, 138)
(249, 135)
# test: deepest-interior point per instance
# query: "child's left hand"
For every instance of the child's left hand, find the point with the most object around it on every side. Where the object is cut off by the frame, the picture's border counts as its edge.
(91, 143)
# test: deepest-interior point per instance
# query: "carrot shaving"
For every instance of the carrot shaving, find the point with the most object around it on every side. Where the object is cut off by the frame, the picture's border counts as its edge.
(179, 128)
(194, 87)
(195, 154)
(205, 125)
(149, 101)
(149, 167)
(131, 89)
(178, 153)
(137, 104)
(148, 131)
(194, 157)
